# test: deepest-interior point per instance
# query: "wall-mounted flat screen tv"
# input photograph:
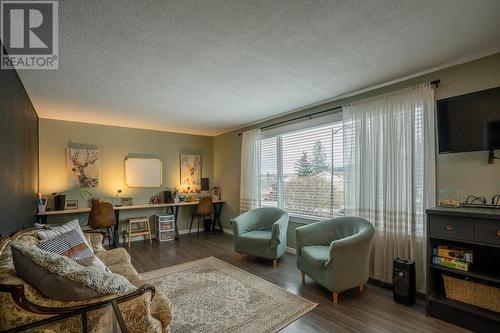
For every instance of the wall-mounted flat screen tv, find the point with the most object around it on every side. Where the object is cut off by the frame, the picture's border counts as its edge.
(469, 122)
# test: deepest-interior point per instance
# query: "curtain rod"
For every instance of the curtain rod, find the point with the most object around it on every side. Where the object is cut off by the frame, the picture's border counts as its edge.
(435, 83)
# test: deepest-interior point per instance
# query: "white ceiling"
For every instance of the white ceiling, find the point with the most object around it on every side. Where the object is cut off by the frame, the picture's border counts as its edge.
(209, 66)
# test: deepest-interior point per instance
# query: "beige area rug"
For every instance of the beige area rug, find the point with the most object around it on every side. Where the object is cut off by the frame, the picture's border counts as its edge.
(209, 295)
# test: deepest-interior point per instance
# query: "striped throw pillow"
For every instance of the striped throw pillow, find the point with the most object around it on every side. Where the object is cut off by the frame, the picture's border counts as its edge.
(57, 230)
(70, 244)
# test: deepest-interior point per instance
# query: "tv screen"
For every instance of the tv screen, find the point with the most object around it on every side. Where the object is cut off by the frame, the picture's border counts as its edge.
(469, 122)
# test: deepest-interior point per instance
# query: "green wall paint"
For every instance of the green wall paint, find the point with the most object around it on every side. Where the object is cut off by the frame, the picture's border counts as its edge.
(466, 171)
(115, 144)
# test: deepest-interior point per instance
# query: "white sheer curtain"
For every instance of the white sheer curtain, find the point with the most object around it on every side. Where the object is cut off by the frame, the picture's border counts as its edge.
(250, 170)
(389, 158)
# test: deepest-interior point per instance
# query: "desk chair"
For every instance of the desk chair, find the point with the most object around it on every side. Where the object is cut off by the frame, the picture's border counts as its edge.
(102, 216)
(205, 208)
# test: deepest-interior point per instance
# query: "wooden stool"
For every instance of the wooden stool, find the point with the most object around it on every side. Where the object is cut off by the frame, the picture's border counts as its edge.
(130, 232)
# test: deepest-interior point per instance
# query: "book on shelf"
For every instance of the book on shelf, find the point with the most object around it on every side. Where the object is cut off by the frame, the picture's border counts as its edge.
(454, 252)
(451, 263)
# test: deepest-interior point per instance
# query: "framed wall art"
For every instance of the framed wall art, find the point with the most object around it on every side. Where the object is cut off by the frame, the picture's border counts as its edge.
(190, 170)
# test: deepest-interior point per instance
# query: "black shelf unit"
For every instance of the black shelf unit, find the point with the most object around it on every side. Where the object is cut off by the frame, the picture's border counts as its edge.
(473, 273)
(475, 228)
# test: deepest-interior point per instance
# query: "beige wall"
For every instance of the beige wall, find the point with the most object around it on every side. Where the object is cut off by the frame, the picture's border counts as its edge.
(221, 155)
(227, 168)
(469, 172)
(466, 171)
(114, 144)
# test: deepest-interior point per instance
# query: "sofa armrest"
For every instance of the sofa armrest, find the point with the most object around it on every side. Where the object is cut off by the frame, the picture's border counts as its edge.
(17, 310)
(19, 298)
(140, 310)
(96, 239)
(161, 309)
(146, 313)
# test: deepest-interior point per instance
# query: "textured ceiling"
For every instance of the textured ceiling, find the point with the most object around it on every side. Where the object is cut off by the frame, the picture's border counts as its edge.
(209, 66)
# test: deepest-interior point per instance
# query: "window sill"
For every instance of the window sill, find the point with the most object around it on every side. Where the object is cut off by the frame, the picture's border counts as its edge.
(305, 220)
(302, 220)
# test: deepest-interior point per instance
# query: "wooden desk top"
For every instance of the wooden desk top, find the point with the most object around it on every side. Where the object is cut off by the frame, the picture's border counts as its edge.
(144, 206)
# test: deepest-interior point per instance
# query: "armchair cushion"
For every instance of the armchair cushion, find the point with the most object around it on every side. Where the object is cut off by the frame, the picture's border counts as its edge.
(257, 236)
(316, 255)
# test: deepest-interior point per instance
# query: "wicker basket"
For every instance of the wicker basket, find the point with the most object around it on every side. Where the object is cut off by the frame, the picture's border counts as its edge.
(477, 294)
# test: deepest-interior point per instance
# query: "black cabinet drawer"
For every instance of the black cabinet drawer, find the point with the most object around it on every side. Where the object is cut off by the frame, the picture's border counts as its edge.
(451, 227)
(487, 231)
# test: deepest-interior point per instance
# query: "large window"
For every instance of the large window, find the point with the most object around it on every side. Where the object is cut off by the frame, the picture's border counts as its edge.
(303, 172)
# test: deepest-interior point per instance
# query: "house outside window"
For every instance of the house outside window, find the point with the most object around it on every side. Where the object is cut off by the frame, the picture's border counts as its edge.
(302, 172)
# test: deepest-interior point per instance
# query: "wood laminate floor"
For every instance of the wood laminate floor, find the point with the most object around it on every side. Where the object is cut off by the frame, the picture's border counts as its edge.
(372, 310)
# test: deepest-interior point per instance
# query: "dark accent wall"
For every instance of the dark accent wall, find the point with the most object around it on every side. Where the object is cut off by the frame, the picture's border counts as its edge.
(18, 154)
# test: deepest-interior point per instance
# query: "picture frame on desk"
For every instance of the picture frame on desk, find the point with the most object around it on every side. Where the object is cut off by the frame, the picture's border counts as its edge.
(216, 193)
(71, 204)
(127, 201)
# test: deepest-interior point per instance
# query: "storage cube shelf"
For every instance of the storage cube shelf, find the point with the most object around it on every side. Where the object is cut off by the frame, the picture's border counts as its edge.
(165, 227)
(473, 304)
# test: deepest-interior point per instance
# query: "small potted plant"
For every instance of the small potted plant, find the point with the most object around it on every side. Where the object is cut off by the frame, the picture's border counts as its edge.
(41, 203)
(86, 194)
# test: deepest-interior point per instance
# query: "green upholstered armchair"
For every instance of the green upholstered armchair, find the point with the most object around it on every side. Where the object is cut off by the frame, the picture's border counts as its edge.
(335, 253)
(261, 232)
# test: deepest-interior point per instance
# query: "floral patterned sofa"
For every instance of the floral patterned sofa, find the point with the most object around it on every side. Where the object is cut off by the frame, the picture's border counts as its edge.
(145, 309)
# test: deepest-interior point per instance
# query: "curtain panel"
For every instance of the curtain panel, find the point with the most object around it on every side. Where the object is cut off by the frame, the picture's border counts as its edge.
(389, 160)
(250, 170)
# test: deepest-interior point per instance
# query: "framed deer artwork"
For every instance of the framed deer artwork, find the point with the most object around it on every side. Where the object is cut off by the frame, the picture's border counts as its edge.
(82, 167)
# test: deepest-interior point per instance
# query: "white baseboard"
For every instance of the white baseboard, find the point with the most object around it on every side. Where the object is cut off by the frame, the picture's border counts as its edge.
(228, 231)
(185, 231)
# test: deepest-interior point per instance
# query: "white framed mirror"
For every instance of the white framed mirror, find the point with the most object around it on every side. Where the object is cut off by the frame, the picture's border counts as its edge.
(143, 172)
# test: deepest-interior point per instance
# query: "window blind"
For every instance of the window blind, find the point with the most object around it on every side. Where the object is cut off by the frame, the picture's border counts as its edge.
(303, 172)
(269, 172)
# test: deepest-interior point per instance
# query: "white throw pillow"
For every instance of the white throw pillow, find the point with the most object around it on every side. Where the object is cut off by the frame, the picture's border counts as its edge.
(93, 261)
